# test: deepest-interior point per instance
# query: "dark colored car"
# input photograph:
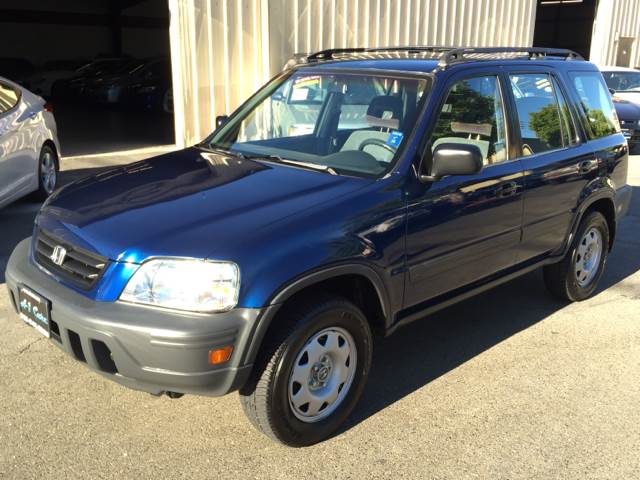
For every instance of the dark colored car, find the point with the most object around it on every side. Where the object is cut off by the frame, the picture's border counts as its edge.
(77, 84)
(629, 117)
(624, 85)
(17, 70)
(151, 88)
(141, 84)
(264, 258)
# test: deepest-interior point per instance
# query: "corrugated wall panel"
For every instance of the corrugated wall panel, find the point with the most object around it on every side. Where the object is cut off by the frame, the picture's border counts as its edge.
(223, 50)
(615, 19)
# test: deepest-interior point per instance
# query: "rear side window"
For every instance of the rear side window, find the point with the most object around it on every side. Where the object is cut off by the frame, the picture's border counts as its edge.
(596, 104)
(473, 114)
(9, 97)
(543, 116)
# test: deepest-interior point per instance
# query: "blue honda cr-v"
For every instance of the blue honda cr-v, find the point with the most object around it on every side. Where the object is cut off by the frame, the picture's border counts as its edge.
(359, 190)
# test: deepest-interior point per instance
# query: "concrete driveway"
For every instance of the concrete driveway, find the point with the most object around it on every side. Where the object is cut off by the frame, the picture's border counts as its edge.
(510, 384)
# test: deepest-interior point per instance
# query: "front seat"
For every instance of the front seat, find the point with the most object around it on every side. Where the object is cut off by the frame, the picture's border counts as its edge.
(384, 114)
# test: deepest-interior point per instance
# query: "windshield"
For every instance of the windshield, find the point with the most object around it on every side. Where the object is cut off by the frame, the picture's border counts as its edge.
(623, 81)
(349, 123)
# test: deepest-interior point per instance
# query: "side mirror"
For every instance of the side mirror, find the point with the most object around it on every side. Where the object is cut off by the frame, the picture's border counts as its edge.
(453, 159)
(221, 120)
(612, 91)
(277, 97)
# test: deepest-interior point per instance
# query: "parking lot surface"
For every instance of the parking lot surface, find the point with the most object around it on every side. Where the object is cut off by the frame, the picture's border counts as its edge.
(509, 384)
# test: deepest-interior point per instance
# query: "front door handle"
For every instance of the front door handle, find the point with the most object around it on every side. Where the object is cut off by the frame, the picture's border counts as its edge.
(507, 189)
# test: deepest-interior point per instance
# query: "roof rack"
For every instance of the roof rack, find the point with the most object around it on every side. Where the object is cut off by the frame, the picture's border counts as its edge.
(331, 53)
(446, 55)
(459, 55)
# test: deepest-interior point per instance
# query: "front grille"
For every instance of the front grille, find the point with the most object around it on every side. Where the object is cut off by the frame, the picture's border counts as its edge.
(79, 267)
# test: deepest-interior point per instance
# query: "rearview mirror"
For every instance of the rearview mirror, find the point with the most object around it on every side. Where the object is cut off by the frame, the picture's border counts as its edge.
(221, 120)
(453, 159)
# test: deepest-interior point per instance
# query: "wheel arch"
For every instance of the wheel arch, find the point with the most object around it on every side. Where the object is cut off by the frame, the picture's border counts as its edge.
(354, 282)
(603, 202)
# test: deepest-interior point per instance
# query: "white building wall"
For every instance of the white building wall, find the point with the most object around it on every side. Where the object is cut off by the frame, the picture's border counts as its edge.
(615, 19)
(223, 50)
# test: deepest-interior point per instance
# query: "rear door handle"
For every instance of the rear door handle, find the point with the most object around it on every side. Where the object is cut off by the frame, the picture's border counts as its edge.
(507, 189)
(587, 166)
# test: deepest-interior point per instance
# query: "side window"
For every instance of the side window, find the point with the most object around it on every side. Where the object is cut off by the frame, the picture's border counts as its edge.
(596, 104)
(543, 124)
(473, 113)
(8, 98)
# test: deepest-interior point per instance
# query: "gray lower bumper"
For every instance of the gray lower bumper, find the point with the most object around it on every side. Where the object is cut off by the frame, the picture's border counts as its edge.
(150, 349)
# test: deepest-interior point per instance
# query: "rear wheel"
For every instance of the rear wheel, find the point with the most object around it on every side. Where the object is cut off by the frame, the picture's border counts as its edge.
(47, 172)
(576, 277)
(310, 373)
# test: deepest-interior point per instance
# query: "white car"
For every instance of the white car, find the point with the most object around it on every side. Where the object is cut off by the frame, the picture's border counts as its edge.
(29, 147)
(624, 81)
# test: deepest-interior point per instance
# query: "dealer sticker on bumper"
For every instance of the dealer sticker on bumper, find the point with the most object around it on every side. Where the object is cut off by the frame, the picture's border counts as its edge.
(34, 310)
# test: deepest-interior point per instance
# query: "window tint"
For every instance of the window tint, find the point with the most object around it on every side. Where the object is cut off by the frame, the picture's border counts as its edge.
(473, 114)
(543, 126)
(8, 97)
(596, 104)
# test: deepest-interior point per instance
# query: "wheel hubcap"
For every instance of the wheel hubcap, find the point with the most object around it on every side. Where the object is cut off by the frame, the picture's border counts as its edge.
(588, 257)
(322, 374)
(48, 172)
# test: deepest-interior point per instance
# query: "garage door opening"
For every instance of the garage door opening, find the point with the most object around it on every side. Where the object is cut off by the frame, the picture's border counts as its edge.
(104, 65)
(565, 24)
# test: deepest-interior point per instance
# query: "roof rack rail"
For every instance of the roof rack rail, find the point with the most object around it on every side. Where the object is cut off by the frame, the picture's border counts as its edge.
(458, 55)
(448, 55)
(329, 54)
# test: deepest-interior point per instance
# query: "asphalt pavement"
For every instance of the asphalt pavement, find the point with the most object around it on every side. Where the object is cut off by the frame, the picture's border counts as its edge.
(510, 384)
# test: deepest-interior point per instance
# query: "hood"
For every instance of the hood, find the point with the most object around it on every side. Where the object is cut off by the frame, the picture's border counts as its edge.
(625, 109)
(633, 97)
(189, 203)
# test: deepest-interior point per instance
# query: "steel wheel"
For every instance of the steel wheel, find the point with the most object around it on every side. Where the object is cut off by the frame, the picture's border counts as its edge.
(322, 374)
(587, 258)
(48, 173)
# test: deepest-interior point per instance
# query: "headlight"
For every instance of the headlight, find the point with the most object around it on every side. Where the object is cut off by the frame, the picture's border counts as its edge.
(183, 284)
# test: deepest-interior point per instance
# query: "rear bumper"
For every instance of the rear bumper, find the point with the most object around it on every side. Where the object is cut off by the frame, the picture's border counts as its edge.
(148, 349)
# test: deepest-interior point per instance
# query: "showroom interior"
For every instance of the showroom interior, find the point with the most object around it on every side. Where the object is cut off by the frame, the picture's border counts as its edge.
(128, 43)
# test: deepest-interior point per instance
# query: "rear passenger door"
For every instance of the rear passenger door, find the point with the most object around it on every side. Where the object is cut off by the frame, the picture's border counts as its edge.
(556, 160)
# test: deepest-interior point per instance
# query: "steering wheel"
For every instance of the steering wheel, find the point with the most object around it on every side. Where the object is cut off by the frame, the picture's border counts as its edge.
(378, 143)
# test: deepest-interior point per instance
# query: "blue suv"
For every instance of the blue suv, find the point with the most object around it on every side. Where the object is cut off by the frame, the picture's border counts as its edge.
(358, 191)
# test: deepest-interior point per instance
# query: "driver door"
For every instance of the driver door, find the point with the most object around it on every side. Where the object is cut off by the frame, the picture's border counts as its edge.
(462, 229)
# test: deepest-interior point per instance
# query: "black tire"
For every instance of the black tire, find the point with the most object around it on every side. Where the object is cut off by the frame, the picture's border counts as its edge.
(265, 397)
(561, 278)
(44, 190)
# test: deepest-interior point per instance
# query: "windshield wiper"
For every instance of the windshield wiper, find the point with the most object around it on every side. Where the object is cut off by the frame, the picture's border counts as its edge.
(309, 165)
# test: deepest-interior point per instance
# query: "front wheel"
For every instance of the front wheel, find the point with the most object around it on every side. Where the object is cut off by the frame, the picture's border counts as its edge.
(576, 277)
(311, 372)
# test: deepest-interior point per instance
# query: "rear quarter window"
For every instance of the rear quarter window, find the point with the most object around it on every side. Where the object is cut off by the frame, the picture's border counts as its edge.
(596, 104)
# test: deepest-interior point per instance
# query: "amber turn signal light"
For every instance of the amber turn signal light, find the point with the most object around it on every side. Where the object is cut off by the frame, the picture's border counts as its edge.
(220, 355)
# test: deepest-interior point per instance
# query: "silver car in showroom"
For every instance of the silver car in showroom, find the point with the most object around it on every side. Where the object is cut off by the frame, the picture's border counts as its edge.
(29, 147)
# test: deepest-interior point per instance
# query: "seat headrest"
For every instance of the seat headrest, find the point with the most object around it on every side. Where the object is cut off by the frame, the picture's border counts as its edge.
(385, 111)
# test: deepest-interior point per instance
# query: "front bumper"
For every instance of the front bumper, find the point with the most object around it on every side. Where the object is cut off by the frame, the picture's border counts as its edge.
(149, 349)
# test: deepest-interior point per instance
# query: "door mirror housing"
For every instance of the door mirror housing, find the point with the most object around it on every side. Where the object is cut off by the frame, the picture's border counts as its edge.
(221, 120)
(612, 91)
(453, 159)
